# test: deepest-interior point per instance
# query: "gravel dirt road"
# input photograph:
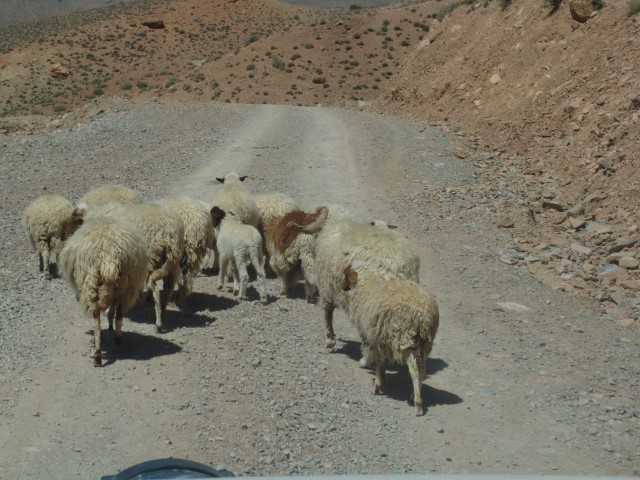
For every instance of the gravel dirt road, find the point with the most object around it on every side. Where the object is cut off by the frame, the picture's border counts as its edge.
(522, 379)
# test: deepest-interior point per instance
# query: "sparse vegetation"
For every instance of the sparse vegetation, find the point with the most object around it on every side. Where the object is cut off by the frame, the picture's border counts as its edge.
(319, 80)
(447, 9)
(634, 8)
(126, 86)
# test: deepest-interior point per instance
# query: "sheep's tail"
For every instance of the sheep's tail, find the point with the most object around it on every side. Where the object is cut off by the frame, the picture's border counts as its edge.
(319, 218)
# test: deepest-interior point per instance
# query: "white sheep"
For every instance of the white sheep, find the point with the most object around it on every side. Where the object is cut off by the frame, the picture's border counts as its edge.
(46, 221)
(107, 194)
(291, 251)
(164, 232)
(198, 239)
(397, 320)
(105, 262)
(342, 241)
(234, 198)
(238, 244)
(273, 205)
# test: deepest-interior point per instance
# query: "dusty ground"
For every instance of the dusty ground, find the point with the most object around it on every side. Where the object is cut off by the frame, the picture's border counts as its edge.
(544, 143)
(523, 379)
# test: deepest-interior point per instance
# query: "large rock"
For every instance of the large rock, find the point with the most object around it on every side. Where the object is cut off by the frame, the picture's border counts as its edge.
(581, 10)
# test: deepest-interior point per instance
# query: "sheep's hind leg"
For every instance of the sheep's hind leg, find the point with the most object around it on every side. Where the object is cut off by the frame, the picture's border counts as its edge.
(380, 374)
(258, 264)
(97, 356)
(157, 301)
(45, 262)
(241, 277)
(328, 320)
(110, 314)
(40, 263)
(119, 317)
(415, 371)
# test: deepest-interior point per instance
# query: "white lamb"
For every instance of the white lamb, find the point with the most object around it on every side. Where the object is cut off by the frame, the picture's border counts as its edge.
(107, 194)
(397, 319)
(342, 241)
(164, 232)
(234, 198)
(291, 251)
(198, 239)
(105, 261)
(47, 220)
(238, 244)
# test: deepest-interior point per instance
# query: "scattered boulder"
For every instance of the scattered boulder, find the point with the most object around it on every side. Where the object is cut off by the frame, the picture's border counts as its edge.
(154, 24)
(621, 244)
(58, 71)
(581, 10)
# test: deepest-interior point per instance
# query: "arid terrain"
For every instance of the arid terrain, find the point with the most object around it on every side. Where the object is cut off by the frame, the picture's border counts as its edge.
(504, 143)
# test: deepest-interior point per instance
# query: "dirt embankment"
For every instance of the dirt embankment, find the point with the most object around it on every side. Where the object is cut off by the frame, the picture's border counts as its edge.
(551, 107)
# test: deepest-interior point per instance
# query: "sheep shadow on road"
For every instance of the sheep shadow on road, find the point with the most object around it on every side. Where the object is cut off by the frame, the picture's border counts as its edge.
(135, 346)
(398, 386)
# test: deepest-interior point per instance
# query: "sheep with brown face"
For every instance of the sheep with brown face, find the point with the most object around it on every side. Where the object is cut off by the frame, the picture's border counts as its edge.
(291, 251)
(396, 318)
(238, 244)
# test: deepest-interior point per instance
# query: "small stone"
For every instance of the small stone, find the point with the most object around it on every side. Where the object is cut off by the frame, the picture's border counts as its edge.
(283, 308)
(256, 362)
(631, 285)
(439, 429)
(505, 222)
(628, 263)
(621, 244)
(576, 247)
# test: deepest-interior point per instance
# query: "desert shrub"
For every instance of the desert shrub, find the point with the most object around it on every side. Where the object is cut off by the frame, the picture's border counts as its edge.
(505, 3)
(171, 81)
(634, 8)
(597, 4)
(251, 66)
(141, 84)
(295, 56)
(126, 86)
(59, 108)
(308, 45)
(251, 38)
(319, 80)
(98, 91)
(354, 6)
(186, 87)
(277, 62)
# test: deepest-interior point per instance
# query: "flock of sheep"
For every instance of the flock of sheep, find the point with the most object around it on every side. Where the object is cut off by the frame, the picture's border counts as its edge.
(113, 247)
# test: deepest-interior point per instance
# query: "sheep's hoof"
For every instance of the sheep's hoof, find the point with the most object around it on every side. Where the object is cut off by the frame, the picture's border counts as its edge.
(160, 329)
(264, 300)
(330, 343)
(419, 411)
(97, 359)
(376, 389)
(118, 340)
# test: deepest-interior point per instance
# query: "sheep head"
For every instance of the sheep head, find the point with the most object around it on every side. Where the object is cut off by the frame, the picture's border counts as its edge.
(316, 221)
(232, 177)
(349, 279)
(217, 214)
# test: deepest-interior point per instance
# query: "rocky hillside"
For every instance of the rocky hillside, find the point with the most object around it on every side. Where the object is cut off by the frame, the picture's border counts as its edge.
(549, 103)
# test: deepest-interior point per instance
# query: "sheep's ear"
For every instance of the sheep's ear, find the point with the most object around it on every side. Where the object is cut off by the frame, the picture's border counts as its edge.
(243, 177)
(392, 226)
(221, 180)
(352, 276)
(373, 224)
